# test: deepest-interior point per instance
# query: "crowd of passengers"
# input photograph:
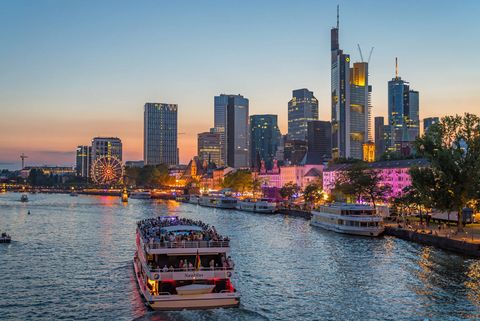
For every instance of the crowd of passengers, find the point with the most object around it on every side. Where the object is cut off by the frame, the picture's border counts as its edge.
(185, 265)
(151, 230)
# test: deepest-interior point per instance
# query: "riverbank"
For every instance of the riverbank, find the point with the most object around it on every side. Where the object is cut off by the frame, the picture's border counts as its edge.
(446, 240)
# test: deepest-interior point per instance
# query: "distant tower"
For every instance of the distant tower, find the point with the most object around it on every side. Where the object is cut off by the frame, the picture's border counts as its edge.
(23, 156)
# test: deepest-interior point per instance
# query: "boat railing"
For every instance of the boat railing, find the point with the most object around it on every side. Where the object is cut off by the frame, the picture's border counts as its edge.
(186, 244)
(202, 269)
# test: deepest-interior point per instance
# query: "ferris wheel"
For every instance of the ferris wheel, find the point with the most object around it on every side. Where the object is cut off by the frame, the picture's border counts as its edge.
(107, 170)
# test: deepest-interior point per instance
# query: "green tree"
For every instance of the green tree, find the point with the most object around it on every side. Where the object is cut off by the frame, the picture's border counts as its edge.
(313, 192)
(289, 190)
(239, 181)
(451, 181)
(362, 183)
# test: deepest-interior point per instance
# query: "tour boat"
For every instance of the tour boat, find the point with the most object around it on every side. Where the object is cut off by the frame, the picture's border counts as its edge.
(193, 199)
(24, 198)
(353, 219)
(263, 205)
(141, 195)
(73, 193)
(182, 264)
(224, 202)
(5, 238)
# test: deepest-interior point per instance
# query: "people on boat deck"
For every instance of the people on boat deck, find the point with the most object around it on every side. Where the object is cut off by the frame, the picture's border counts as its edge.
(152, 231)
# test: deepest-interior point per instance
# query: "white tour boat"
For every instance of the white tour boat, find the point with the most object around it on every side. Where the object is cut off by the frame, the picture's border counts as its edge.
(140, 195)
(263, 205)
(183, 264)
(353, 219)
(220, 201)
(24, 198)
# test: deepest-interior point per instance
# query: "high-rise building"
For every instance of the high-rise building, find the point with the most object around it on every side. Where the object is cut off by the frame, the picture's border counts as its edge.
(231, 121)
(302, 108)
(264, 140)
(160, 134)
(427, 122)
(83, 160)
(295, 152)
(208, 147)
(106, 146)
(319, 141)
(379, 137)
(350, 102)
(403, 115)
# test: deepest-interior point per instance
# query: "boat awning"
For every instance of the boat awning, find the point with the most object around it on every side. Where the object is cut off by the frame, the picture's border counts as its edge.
(179, 228)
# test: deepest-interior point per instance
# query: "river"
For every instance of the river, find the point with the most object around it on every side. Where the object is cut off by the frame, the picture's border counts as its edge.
(71, 259)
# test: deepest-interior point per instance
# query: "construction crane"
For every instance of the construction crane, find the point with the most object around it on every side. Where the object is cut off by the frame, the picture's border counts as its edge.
(361, 55)
(23, 156)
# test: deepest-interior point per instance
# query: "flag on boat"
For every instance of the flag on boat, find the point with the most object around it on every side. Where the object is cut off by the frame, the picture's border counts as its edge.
(198, 263)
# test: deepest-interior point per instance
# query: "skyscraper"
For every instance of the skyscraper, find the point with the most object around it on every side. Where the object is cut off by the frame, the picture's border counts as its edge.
(302, 108)
(379, 137)
(350, 102)
(403, 115)
(106, 146)
(264, 140)
(429, 121)
(208, 147)
(83, 160)
(160, 134)
(231, 121)
(319, 141)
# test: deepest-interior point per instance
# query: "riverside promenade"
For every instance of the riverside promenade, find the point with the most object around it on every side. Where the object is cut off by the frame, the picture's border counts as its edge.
(441, 236)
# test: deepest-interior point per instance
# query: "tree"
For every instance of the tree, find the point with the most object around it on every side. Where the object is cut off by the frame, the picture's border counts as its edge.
(362, 183)
(451, 181)
(313, 192)
(289, 190)
(239, 181)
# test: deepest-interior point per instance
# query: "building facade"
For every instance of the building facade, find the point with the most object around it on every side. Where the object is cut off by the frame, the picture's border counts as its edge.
(379, 137)
(106, 146)
(302, 108)
(160, 134)
(393, 173)
(208, 147)
(294, 152)
(231, 121)
(264, 140)
(319, 141)
(351, 103)
(403, 115)
(83, 160)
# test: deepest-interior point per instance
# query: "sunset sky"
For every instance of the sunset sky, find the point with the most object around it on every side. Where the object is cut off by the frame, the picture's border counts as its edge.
(72, 70)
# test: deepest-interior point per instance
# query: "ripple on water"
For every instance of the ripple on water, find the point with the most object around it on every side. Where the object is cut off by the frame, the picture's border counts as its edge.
(71, 259)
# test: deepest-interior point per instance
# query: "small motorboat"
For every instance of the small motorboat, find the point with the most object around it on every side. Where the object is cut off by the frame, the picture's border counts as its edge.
(24, 198)
(195, 289)
(5, 238)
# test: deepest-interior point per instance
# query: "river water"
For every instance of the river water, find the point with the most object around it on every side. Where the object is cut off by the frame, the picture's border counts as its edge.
(71, 259)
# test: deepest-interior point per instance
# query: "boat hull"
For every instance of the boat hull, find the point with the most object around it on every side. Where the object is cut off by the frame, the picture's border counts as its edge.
(352, 231)
(190, 302)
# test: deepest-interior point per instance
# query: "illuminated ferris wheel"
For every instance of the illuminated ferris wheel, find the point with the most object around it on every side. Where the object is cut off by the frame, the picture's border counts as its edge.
(107, 170)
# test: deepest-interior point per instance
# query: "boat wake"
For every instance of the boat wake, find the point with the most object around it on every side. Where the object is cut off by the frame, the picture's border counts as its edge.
(239, 314)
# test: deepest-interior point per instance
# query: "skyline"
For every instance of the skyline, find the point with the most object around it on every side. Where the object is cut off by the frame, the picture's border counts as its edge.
(92, 63)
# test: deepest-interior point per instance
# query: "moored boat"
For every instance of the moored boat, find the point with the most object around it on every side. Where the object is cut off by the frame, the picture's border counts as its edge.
(193, 199)
(182, 264)
(5, 238)
(141, 195)
(225, 202)
(352, 219)
(263, 205)
(24, 198)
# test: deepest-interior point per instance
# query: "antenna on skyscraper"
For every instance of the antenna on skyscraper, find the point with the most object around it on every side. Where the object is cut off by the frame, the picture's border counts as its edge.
(396, 68)
(338, 16)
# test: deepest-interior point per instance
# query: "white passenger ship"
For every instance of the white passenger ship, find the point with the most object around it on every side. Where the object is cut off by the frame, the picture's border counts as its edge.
(348, 219)
(219, 201)
(183, 264)
(193, 199)
(140, 195)
(263, 205)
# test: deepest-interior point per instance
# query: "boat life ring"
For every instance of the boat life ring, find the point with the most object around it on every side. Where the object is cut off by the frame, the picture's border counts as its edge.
(229, 274)
(156, 276)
